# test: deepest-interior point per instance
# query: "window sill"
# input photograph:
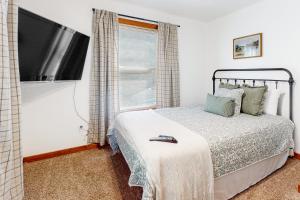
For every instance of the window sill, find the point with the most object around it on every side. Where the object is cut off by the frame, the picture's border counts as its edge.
(138, 108)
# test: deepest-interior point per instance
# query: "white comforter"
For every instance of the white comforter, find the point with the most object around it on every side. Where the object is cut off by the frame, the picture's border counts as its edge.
(181, 171)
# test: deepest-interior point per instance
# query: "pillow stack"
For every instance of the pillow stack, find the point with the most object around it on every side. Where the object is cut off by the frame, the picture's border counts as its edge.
(247, 99)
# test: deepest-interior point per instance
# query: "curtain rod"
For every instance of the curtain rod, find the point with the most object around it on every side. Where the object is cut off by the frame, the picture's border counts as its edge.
(138, 18)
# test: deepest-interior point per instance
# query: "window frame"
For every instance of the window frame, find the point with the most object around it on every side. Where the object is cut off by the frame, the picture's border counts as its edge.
(143, 25)
(137, 23)
(139, 108)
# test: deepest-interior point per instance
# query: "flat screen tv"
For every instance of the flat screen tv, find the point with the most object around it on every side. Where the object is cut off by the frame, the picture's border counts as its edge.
(49, 51)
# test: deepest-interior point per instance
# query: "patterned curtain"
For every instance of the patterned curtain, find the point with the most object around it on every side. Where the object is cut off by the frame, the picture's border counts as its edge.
(11, 165)
(104, 82)
(168, 88)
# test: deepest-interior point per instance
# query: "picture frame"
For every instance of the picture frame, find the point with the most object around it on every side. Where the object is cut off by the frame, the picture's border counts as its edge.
(249, 46)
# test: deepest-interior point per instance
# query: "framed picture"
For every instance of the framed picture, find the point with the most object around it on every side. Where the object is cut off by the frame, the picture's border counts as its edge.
(248, 46)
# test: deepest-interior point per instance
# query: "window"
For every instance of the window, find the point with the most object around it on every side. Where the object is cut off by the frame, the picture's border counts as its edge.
(138, 61)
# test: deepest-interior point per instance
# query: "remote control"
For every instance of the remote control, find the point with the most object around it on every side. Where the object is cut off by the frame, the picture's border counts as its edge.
(164, 139)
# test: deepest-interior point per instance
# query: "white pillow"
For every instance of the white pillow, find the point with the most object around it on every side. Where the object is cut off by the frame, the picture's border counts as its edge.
(236, 94)
(271, 102)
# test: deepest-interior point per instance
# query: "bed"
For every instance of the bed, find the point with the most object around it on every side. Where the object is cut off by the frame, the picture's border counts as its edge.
(243, 149)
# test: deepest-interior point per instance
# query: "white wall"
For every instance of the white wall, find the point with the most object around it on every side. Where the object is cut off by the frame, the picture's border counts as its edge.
(49, 121)
(279, 21)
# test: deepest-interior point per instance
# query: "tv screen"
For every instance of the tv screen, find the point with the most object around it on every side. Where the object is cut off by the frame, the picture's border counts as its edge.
(49, 51)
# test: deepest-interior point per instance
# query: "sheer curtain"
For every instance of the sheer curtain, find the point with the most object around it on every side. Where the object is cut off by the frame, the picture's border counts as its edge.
(168, 87)
(11, 165)
(104, 82)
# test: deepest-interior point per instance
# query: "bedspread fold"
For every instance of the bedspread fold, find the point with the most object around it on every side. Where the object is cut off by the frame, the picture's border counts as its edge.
(181, 171)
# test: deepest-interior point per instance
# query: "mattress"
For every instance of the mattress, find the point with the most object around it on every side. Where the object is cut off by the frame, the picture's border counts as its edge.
(235, 142)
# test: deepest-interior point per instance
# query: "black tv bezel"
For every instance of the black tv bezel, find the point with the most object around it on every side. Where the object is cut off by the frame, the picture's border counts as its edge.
(46, 20)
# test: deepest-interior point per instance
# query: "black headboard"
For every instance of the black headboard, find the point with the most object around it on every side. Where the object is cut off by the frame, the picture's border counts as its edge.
(290, 81)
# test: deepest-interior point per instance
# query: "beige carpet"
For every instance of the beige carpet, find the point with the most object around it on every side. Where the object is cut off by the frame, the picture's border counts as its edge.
(94, 174)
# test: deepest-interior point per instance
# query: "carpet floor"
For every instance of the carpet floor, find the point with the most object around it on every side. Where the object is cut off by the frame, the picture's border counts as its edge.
(95, 174)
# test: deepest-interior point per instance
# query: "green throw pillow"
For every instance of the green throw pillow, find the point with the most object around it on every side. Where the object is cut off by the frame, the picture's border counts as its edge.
(219, 105)
(228, 86)
(253, 99)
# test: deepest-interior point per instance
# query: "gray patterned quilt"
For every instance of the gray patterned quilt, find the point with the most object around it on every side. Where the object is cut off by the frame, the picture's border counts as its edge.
(235, 142)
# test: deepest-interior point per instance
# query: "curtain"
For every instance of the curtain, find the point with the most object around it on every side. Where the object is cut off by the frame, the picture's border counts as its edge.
(11, 165)
(168, 88)
(104, 82)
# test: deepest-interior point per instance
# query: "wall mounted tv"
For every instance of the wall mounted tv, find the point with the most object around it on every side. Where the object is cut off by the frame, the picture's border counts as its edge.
(49, 51)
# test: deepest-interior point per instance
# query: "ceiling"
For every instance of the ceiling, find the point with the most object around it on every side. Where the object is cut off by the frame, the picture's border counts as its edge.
(203, 10)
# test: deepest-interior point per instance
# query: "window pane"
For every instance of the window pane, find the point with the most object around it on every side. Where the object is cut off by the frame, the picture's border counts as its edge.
(138, 60)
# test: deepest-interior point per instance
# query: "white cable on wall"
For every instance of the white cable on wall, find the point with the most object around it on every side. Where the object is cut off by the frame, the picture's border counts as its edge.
(75, 107)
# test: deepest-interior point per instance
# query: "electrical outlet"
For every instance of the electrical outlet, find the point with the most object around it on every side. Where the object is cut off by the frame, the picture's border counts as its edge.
(82, 131)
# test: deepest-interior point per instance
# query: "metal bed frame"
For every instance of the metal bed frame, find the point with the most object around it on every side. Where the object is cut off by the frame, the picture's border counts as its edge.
(290, 81)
